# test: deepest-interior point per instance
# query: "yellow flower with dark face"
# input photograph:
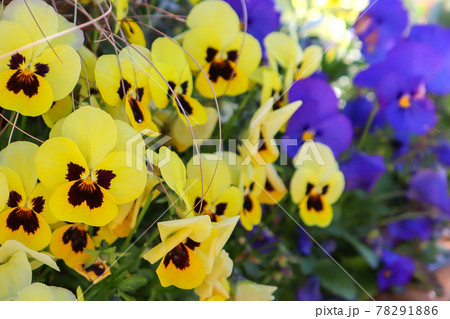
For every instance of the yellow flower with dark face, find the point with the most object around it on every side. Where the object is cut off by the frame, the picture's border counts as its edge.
(316, 185)
(226, 54)
(69, 243)
(87, 168)
(188, 249)
(31, 79)
(26, 215)
(123, 82)
(264, 125)
(99, 270)
(171, 64)
(217, 198)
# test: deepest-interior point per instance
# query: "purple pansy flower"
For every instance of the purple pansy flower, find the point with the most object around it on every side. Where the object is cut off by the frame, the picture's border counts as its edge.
(310, 290)
(438, 38)
(362, 171)
(397, 270)
(318, 118)
(262, 17)
(430, 186)
(410, 229)
(401, 84)
(380, 27)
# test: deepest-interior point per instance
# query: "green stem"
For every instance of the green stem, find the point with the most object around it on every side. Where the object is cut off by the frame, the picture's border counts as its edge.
(367, 127)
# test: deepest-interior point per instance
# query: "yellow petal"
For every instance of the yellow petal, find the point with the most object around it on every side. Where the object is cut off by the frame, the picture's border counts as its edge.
(188, 278)
(15, 275)
(37, 17)
(140, 117)
(69, 243)
(200, 227)
(312, 217)
(25, 226)
(40, 292)
(10, 247)
(128, 183)
(59, 110)
(14, 37)
(336, 185)
(251, 214)
(190, 109)
(101, 209)
(133, 32)
(197, 41)
(64, 68)
(230, 203)
(160, 250)
(172, 169)
(18, 156)
(55, 158)
(108, 79)
(278, 118)
(29, 94)
(73, 39)
(93, 130)
(41, 192)
(217, 16)
(4, 191)
(283, 49)
(249, 51)
(17, 195)
(274, 188)
(312, 60)
(166, 51)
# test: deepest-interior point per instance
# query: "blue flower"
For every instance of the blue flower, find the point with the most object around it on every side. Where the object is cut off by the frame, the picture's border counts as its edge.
(438, 38)
(397, 270)
(430, 186)
(401, 84)
(362, 171)
(310, 290)
(380, 27)
(317, 119)
(262, 17)
(410, 229)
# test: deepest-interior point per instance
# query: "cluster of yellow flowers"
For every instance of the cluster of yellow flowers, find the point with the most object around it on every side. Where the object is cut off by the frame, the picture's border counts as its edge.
(78, 188)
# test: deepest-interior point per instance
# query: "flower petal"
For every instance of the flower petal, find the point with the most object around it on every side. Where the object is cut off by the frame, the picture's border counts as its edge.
(93, 130)
(58, 160)
(64, 69)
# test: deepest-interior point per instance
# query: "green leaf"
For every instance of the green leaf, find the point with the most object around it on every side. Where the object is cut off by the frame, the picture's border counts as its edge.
(368, 254)
(133, 282)
(335, 280)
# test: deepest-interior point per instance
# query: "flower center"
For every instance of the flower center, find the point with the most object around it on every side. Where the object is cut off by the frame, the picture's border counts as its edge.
(308, 135)
(405, 101)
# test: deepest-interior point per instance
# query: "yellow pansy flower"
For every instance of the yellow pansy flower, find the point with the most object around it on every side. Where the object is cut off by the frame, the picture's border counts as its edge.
(285, 51)
(188, 249)
(264, 125)
(58, 110)
(31, 79)
(87, 168)
(133, 32)
(26, 215)
(316, 185)
(209, 190)
(15, 269)
(172, 67)
(226, 54)
(123, 82)
(216, 286)
(69, 243)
